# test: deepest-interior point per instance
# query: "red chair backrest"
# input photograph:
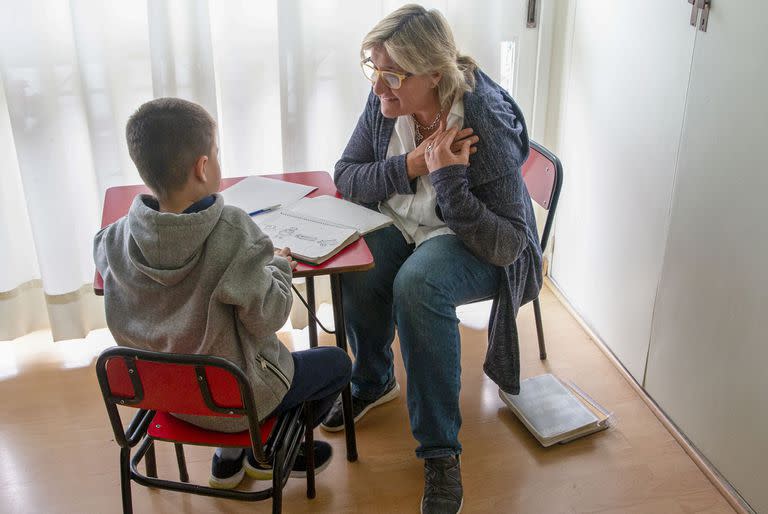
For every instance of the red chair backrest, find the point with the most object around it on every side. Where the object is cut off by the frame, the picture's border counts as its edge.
(539, 175)
(172, 386)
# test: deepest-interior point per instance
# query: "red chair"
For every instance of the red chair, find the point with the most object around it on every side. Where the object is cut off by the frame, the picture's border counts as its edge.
(159, 383)
(543, 176)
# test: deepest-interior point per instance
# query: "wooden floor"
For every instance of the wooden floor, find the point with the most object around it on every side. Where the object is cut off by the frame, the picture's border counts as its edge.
(57, 453)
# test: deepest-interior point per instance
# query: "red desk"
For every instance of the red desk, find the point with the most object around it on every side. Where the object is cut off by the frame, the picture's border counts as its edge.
(355, 257)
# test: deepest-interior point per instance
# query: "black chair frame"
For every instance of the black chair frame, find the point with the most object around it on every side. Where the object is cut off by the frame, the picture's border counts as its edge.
(545, 235)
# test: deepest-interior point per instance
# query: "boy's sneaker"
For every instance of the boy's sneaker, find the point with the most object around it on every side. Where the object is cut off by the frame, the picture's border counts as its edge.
(334, 421)
(226, 473)
(255, 470)
(443, 493)
(323, 455)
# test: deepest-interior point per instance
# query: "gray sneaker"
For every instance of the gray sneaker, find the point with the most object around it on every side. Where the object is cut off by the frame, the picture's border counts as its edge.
(443, 493)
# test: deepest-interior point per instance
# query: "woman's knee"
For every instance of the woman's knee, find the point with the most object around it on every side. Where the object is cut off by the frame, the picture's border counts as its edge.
(415, 285)
(409, 283)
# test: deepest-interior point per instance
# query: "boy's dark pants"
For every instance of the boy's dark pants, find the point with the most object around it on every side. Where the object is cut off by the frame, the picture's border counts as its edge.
(319, 375)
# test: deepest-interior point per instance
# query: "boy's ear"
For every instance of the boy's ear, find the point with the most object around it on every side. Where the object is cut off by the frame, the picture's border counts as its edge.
(199, 169)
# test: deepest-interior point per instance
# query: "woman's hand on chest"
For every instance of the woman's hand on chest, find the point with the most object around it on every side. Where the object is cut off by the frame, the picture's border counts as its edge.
(449, 147)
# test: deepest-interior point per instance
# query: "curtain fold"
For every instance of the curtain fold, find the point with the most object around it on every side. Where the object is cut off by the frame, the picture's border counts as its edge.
(281, 78)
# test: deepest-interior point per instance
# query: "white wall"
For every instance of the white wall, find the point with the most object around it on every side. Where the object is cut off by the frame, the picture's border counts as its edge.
(622, 110)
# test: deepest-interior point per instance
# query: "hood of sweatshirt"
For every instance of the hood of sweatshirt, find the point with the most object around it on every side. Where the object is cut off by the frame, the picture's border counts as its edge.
(165, 246)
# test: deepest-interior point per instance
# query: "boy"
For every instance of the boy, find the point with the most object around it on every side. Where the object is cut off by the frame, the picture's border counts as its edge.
(183, 273)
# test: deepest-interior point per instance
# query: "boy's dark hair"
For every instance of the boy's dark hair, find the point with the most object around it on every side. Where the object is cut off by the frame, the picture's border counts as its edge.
(165, 137)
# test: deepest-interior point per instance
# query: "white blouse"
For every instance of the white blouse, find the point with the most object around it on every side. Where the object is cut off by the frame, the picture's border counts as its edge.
(414, 215)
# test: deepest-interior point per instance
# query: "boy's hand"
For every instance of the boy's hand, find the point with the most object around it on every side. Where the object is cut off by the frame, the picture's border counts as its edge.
(285, 253)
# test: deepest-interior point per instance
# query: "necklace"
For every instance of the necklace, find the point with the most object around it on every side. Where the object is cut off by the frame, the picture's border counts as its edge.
(420, 127)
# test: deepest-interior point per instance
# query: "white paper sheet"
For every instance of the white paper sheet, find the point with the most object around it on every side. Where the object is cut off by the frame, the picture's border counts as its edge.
(257, 193)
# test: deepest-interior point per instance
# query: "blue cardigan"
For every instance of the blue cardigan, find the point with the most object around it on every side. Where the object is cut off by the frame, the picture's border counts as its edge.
(486, 204)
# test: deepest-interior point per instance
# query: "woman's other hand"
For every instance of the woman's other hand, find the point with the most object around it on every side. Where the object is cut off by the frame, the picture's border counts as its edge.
(440, 152)
(285, 253)
(461, 136)
(416, 162)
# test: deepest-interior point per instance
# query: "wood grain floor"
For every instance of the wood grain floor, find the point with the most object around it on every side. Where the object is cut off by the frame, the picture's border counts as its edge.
(57, 453)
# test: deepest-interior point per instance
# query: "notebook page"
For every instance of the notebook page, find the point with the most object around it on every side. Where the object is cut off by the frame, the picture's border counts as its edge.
(342, 213)
(308, 240)
(256, 193)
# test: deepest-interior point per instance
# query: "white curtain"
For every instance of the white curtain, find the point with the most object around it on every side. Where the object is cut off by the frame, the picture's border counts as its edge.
(280, 76)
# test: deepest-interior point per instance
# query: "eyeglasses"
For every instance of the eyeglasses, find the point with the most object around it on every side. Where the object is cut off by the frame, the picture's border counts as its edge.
(392, 79)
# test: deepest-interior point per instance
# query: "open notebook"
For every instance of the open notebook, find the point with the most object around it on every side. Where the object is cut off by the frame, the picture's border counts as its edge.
(556, 412)
(316, 229)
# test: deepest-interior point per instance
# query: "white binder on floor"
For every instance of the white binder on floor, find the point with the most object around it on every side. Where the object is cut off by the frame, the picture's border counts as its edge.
(554, 411)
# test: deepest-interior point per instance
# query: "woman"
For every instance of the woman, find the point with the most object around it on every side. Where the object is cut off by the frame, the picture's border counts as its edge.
(463, 230)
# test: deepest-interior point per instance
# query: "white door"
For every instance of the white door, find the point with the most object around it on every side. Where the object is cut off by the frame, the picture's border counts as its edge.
(707, 364)
(623, 111)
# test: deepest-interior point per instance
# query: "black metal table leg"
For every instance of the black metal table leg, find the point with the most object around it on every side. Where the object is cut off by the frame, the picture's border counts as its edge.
(310, 283)
(341, 342)
(309, 436)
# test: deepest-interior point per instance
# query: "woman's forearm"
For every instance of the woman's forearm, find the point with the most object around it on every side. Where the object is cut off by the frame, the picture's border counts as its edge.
(493, 229)
(370, 182)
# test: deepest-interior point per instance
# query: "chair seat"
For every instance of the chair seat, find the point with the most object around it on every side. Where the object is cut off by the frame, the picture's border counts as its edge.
(165, 427)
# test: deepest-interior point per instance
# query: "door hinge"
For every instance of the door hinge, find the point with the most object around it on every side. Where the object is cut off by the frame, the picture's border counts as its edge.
(531, 18)
(703, 6)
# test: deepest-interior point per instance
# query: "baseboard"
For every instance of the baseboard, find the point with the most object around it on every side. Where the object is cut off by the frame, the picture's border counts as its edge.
(721, 483)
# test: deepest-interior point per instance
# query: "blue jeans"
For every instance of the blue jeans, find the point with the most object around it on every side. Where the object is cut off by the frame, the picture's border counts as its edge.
(417, 290)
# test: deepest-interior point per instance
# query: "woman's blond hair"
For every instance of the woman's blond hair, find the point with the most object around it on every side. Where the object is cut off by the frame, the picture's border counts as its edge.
(420, 41)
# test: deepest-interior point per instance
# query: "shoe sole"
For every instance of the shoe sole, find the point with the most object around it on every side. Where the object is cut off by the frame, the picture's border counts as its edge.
(421, 506)
(227, 483)
(256, 473)
(394, 393)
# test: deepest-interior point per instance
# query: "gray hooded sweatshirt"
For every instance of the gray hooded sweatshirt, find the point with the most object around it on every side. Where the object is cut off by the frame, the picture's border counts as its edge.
(202, 283)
